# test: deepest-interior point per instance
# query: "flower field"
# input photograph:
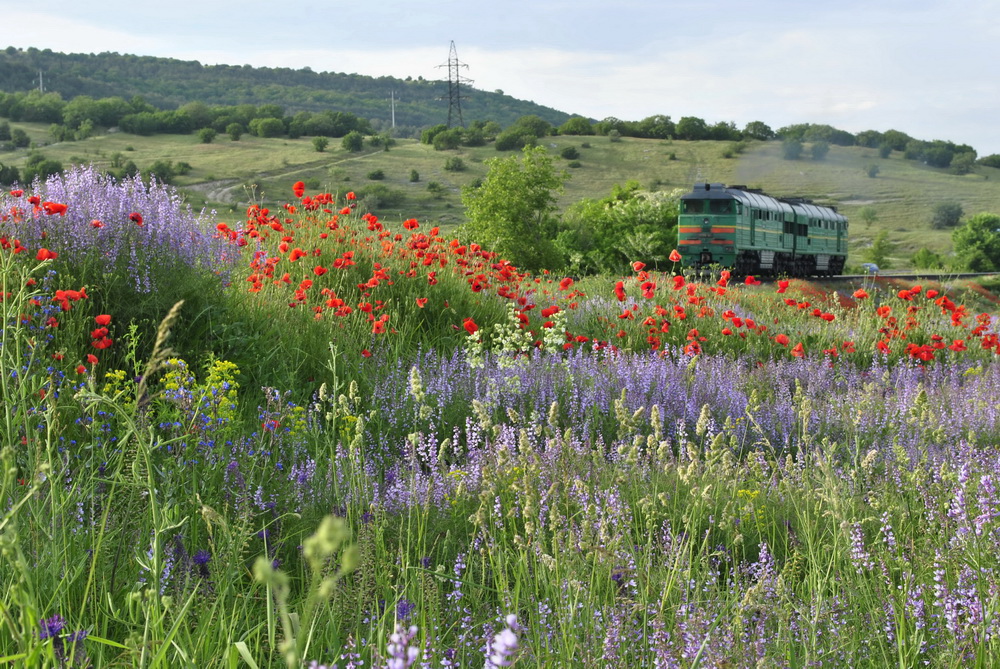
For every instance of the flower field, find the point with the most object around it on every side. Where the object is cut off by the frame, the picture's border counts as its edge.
(310, 438)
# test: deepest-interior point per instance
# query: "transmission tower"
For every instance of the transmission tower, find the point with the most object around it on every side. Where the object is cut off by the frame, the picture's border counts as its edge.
(455, 82)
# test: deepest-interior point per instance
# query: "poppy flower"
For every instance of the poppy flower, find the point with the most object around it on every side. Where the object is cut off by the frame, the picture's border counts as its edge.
(365, 353)
(620, 291)
(411, 224)
(782, 339)
(299, 189)
(45, 254)
(565, 283)
(319, 270)
(136, 218)
(96, 224)
(679, 282)
(102, 320)
(798, 351)
(17, 192)
(80, 369)
(91, 359)
(53, 208)
(638, 266)
(783, 285)
(675, 256)
(351, 196)
(750, 281)
(470, 325)
(860, 294)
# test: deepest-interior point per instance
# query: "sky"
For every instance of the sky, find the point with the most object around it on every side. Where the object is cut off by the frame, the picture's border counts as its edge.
(924, 67)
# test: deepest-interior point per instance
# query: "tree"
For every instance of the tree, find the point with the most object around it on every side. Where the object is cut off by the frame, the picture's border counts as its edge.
(207, 135)
(513, 210)
(267, 127)
(977, 243)
(320, 143)
(872, 170)
(946, 215)
(818, 150)
(353, 141)
(926, 259)
(758, 130)
(880, 250)
(235, 131)
(791, 149)
(868, 214)
(692, 127)
(576, 126)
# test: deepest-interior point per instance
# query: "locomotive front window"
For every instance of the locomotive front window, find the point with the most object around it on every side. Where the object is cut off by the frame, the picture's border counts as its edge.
(694, 206)
(719, 206)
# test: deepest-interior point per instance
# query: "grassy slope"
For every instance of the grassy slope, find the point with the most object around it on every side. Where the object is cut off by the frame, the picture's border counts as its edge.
(904, 194)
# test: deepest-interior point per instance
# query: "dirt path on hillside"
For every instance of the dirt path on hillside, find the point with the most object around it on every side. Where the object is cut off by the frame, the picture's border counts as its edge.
(231, 190)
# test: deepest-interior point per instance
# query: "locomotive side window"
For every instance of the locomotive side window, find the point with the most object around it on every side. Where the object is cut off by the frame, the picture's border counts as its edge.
(693, 206)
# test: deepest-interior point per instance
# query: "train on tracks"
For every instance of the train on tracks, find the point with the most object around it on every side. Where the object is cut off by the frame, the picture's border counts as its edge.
(752, 233)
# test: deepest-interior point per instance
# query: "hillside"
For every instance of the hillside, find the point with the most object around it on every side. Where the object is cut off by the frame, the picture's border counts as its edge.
(225, 175)
(169, 83)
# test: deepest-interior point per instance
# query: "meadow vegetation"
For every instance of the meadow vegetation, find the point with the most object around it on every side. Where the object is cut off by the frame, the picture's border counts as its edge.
(302, 435)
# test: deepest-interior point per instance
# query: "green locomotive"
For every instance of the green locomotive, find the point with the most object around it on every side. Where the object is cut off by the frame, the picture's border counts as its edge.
(755, 234)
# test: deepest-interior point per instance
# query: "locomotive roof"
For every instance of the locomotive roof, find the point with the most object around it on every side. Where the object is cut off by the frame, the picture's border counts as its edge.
(758, 200)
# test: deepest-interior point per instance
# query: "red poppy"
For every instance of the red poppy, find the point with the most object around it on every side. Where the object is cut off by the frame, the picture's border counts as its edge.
(750, 281)
(102, 320)
(620, 291)
(96, 224)
(102, 343)
(565, 283)
(319, 270)
(350, 195)
(550, 311)
(860, 294)
(411, 224)
(80, 369)
(17, 192)
(638, 266)
(365, 353)
(136, 218)
(782, 285)
(675, 256)
(299, 189)
(91, 359)
(798, 351)
(781, 339)
(53, 208)
(421, 302)
(470, 325)
(679, 282)
(45, 254)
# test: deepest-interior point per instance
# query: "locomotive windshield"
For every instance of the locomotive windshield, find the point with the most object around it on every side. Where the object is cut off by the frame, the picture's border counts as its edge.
(707, 206)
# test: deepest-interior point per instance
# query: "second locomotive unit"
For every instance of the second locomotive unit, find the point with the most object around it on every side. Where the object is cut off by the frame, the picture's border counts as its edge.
(752, 233)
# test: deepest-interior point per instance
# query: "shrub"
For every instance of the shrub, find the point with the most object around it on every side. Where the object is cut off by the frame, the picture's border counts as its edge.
(376, 175)
(207, 135)
(320, 143)
(414, 176)
(570, 153)
(454, 164)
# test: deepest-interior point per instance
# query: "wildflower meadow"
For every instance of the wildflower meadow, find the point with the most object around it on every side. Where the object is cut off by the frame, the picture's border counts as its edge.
(311, 438)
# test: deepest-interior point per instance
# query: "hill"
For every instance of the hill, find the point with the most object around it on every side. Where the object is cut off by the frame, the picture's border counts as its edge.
(169, 83)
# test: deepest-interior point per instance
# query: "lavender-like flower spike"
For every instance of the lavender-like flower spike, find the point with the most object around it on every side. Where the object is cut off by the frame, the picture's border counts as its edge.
(504, 645)
(403, 655)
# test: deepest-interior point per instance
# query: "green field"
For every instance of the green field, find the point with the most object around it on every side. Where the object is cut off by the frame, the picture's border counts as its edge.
(226, 175)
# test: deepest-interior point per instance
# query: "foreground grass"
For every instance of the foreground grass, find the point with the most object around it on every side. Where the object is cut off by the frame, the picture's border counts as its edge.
(782, 495)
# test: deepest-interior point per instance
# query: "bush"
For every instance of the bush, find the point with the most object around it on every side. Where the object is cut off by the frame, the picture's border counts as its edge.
(414, 176)
(570, 153)
(791, 149)
(574, 164)
(207, 135)
(377, 175)
(946, 215)
(235, 131)
(454, 164)
(436, 189)
(353, 141)
(872, 171)
(320, 143)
